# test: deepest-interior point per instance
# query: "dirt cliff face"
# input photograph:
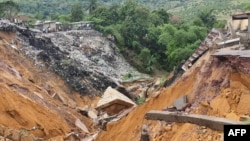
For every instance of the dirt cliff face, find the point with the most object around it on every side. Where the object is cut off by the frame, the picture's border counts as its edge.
(27, 102)
(215, 86)
(44, 79)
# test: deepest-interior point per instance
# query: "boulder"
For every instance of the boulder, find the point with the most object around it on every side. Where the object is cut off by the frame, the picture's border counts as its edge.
(81, 125)
(92, 114)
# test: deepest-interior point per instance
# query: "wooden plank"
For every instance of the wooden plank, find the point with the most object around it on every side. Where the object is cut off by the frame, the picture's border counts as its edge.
(215, 123)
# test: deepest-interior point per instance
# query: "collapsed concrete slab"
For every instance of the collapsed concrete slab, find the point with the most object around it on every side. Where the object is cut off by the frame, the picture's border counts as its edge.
(212, 122)
(113, 102)
(180, 103)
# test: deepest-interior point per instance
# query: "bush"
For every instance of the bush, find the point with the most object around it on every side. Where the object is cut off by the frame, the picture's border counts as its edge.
(141, 100)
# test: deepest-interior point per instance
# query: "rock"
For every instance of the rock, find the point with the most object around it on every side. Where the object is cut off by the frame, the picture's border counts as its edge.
(157, 82)
(143, 93)
(83, 110)
(7, 132)
(244, 118)
(81, 125)
(15, 135)
(150, 91)
(92, 115)
(204, 103)
(203, 127)
(38, 94)
(170, 108)
(168, 128)
(204, 131)
(105, 115)
(181, 102)
(60, 98)
(71, 137)
(155, 94)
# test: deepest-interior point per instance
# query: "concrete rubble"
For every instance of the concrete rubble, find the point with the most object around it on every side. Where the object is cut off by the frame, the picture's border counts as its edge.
(87, 61)
(214, 123)
(81, 125)
(113, 102)
(181, 103)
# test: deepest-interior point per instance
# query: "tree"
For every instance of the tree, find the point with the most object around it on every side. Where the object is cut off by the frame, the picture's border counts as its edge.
(207, 18)
(9, 9)
(76, 12)
(162, 14)
(92, 6)
(246, 7)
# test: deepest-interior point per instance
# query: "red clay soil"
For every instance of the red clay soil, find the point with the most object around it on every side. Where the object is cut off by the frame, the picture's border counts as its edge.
(26, 96)
(213, 88)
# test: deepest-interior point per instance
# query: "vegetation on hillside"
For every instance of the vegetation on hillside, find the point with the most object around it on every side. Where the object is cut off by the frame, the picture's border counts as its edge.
(146, 31)
(186, 9)
(8, 9)
(148, 39)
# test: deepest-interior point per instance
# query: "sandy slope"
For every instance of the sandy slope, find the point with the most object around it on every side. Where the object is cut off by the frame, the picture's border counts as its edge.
(26, 96)
(213, 87)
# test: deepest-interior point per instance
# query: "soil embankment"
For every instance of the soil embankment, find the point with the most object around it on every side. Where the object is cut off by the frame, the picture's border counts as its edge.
(26, 96)
(214, 86)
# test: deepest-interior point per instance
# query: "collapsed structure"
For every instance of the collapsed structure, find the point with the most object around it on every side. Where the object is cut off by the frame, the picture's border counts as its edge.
(114, 102)
(234, 37)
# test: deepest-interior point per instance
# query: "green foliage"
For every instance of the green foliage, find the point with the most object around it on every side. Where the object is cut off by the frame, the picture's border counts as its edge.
(144, 36)
(130, 76)
(64, 18)
(144, 55)
(220, 24)
(76, 12)
(8, 9)
(247, 121)
(162, 81)
(207, 18)
(141, 100)
(246, 7)
(185, 9)
(92, 6)
(148, 37)
(127, 76)
(114, 30)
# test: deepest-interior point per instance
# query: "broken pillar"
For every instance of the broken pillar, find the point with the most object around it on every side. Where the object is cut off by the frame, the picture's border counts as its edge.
(144, 133)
